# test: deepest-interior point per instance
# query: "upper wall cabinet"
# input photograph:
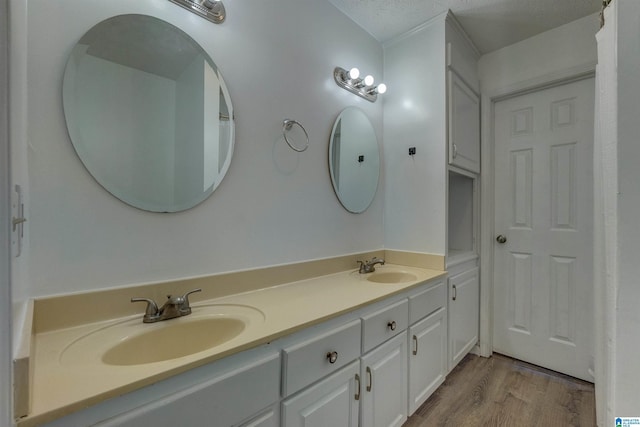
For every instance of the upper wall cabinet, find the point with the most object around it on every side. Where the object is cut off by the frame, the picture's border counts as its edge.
(463, 133)
(464, 124)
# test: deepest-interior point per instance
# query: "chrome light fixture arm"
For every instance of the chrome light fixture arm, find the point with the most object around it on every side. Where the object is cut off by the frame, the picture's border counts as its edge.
(211, 10)
(358, 86)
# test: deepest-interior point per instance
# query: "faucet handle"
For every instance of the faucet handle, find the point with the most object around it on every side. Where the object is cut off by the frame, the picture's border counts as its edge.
(362, 266)
(152, 308)
(186, 308)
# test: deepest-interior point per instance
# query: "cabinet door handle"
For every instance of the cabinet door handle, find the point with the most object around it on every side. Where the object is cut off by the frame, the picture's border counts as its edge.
(455, 292)
(370, 379)
(392, 325)
(415, 345)
(357, 396)
(455, 151)
(332, 356)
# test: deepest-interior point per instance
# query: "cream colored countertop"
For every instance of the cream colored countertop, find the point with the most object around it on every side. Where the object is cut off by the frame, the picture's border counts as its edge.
(62, 385)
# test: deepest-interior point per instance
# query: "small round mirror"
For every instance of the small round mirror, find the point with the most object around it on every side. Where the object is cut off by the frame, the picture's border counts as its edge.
(148, 113)
(354, 160)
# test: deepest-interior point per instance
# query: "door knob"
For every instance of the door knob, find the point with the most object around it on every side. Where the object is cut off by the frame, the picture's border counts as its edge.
(501, 239)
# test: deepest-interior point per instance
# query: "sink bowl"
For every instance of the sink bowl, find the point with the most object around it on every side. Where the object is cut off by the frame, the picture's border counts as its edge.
(173, 341)
(130, 342)
(391, 277)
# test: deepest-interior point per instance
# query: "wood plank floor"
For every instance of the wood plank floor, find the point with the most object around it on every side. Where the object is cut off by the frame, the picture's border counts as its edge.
(500, 391)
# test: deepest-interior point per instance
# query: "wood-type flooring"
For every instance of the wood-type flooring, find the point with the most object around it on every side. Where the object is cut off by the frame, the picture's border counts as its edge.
(501, 391)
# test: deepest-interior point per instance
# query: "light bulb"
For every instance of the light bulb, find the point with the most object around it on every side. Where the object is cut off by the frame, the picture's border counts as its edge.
(368, 81)
(382, 88)
(354, 73)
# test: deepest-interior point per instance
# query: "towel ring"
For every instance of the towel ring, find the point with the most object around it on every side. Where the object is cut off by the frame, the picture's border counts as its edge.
(287, 124)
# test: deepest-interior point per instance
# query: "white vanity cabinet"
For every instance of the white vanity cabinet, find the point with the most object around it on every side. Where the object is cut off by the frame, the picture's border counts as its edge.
(370, 367)
(428, 345)
(223, 393)
(334, 401)
(384, 366)
(464, 313)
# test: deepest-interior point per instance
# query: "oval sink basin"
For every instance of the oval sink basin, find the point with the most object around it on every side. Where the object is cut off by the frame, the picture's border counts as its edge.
(173, 341)
(392, 277)
(130, 342)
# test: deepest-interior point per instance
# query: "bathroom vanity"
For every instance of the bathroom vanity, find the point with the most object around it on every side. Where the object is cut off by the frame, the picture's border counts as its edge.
(355, 349)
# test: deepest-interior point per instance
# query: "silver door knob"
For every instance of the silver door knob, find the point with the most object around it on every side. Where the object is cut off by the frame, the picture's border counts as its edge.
(501, 239)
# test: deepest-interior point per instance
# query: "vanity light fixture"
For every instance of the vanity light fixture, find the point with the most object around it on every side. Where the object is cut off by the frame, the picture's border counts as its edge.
(211, 10)
(351, 81)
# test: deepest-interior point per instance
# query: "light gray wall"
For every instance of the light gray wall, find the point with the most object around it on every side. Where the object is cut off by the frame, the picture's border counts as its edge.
(415, 116)
(275, 206)
(569, 46)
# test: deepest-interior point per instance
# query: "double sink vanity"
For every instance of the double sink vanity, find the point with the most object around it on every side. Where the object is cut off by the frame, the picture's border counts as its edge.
(347, 346)
(315, 343)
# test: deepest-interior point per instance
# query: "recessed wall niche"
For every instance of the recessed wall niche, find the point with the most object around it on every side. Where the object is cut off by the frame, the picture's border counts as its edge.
(461, 222)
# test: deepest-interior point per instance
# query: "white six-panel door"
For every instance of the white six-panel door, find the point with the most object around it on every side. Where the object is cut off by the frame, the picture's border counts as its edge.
(543, 308)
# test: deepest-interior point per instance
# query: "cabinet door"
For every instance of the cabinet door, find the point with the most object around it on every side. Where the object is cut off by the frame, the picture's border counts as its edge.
(384, 384)
(464, 314)
(464, 125)
(427, 357)
(332, 402)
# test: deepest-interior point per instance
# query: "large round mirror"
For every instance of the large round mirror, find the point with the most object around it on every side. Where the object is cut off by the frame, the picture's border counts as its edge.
(148, 113)
(354, 160)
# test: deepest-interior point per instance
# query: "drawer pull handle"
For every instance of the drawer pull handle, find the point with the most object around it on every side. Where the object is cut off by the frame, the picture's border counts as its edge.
(332, 356)
(370, 378)
(392, 325)
(357, 396)
(415, 345)
(455, 292)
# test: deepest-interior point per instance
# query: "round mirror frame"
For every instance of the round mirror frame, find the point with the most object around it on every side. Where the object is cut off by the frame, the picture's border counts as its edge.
(151, 29)
(363, 161)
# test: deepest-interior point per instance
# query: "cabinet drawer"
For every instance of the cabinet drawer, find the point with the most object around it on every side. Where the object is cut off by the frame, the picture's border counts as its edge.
(383, 324)
(227, 399)
(426, 302)
(319, 356)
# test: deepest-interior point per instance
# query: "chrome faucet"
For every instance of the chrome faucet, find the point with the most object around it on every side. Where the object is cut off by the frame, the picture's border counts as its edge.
(174, 307)
(369, 266)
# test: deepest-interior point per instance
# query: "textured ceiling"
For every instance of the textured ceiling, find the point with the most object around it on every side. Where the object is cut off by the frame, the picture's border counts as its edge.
(491, 24)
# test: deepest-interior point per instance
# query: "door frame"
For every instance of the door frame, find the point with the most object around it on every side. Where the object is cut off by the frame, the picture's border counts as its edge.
(487, 193)
(6, 346)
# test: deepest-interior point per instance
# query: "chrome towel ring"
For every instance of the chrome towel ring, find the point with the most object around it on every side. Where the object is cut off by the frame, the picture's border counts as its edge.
(287, 124)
